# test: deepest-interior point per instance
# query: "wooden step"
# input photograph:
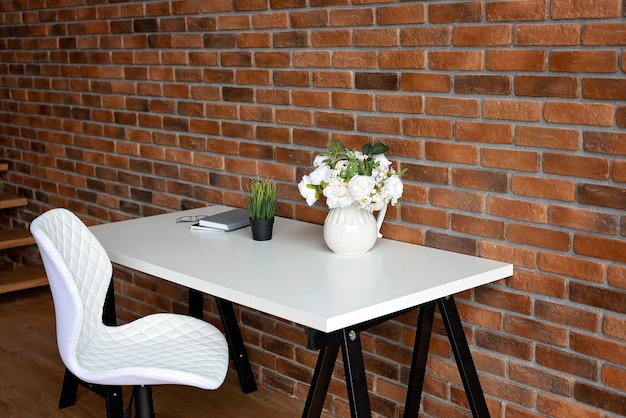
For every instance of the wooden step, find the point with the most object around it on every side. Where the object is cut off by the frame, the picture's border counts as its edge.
(10, 200)
(18, 237)
(22, 278)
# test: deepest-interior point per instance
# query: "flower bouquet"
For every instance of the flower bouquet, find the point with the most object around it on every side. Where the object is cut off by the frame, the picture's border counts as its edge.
(355, 184)
(345, 177)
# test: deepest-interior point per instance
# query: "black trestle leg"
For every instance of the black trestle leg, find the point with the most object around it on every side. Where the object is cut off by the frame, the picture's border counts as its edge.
(321, 381)
(143, 402)
(420, 356)
(463, 356)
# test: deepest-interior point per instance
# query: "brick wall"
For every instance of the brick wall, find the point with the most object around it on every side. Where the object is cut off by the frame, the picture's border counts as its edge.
(509, 116)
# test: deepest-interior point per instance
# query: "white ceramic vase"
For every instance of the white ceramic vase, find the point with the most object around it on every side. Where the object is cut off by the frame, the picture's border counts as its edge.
(352, 230)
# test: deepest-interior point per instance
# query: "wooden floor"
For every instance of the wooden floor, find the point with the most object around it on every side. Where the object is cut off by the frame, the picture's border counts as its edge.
(31, 373)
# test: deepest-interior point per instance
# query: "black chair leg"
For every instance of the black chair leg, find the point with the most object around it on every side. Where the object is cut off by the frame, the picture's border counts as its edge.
(144, 407)
(114, 401)
(68, 390)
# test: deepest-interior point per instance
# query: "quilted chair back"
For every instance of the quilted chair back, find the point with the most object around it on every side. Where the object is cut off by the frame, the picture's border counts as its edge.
(79, 272)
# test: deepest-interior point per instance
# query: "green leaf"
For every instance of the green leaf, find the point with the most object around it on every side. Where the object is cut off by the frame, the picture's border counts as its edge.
(379, 148)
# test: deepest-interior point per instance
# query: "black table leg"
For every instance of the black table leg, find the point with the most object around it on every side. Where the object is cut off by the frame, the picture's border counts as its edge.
(195, 303)
(418, 363)
(463, 356)
(236, 346)
(321, 380)
(356, 381)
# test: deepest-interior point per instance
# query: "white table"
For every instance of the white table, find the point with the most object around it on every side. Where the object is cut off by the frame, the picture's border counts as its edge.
(296, 277)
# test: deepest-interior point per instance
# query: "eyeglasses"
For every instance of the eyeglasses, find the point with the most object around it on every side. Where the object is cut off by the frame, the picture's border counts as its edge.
(184, 219)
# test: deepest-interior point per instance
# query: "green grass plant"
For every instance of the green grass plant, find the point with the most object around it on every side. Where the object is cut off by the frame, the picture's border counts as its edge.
(262, 199)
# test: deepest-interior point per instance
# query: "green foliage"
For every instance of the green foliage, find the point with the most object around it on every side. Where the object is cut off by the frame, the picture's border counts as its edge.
(354, 165)
(262, 199)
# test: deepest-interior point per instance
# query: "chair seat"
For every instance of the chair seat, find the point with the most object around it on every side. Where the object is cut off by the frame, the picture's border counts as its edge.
(148, 351)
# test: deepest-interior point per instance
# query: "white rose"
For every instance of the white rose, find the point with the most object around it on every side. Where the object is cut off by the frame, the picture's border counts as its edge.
(320, 160)
(337, 194)
(361, 187)
(321, 173)
(392, 187)
(382, 160)
(309, 193)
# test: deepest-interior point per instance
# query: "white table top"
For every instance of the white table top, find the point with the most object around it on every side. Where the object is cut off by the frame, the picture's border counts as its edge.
(294, 276)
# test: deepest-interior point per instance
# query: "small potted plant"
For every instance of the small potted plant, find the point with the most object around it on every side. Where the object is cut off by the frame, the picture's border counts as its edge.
(261, 205)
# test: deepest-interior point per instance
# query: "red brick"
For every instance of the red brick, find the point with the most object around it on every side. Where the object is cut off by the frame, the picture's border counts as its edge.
(482, 35)
(598, 114)
(577, 166)
(521, 257)
(469, 11)
(541, 379)
(545, 188)
(400, 103)
(482, 84)
(582, 219)
(566, 9)
(528, 111)
(335, 120)
(455, 199)
(604, 88)
(567, 139)
(572, 266)
(547, 34)
(319, 59)
(598, 347)
(309, 18)
(270, 20)
(339, 79)
(583, 61)
(426, 36)
(311, 98)
(542, 284)
(509, 159)
(515, 60)
(352, 17)
(402, 14)
(451, 152)
(512, 10)
(617, 277)
(444, 106)
(329, 38)
(484, 132)
(605, 142)
(517, 209)
(353, 101)
(546, 86)
(424, 127)
(504, 344)
(599, 33)
(539, 237)
(598, 195)
(379, 124)
(403, 59)
(355, 59)
(431, 82)
(456, 60)
(568, 315)
(478, 226)
(376, 37)
(563, 407)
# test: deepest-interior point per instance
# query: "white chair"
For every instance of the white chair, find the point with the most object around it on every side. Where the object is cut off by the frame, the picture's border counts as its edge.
(157, 349)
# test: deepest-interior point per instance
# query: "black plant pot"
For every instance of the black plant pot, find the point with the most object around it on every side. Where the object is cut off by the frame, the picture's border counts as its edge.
(262, 229)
